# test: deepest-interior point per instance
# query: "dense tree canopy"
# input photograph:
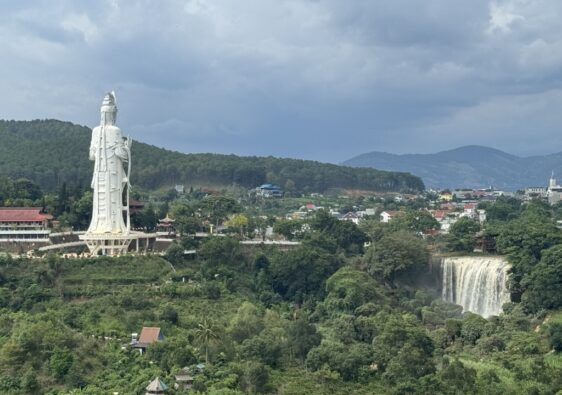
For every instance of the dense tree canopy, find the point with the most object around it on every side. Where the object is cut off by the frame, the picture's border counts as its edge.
(543, 284)
(395, 253)
(415, 221)
(346, 234)
(462, 234)
(524, 239)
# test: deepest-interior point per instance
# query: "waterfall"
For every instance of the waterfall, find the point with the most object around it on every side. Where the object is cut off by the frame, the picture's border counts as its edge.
(478, 284)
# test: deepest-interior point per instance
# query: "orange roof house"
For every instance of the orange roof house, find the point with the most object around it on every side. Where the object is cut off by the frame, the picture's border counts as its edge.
(148, 335)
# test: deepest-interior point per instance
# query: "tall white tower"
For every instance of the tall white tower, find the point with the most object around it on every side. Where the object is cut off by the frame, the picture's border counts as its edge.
(110, 231)
(554, 192)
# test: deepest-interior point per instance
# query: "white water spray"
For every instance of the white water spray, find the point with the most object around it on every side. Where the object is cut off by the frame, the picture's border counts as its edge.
(478, 284)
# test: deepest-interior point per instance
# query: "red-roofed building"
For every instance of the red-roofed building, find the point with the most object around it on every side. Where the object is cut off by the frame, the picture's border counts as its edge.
(439, 214)
(148, 335)
(469, 210)
(25, 215)
(24, 224)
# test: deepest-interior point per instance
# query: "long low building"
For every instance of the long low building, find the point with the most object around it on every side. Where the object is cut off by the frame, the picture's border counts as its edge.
(24, 224)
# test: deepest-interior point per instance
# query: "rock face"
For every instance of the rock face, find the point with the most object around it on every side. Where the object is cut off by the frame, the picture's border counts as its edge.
(478, 284)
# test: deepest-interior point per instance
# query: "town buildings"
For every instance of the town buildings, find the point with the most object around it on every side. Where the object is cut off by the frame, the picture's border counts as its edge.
(536, 192)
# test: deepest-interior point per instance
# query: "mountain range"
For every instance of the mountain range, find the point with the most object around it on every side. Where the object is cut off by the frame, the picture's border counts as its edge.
(470, 166)
(53, 153)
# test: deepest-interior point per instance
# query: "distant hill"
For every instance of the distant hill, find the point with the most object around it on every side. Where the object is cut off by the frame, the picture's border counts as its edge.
(51, 152)
(468, 167)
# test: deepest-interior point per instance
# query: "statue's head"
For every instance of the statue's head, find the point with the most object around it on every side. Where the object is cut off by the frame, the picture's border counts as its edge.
(109, 109)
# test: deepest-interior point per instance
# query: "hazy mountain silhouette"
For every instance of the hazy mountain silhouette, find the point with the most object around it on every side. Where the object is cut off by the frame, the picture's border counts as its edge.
(468, 167)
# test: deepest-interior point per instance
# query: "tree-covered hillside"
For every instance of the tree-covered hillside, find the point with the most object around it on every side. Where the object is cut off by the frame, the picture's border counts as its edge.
(51, 152)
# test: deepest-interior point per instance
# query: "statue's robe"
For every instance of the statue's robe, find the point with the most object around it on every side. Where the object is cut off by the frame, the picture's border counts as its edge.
(110, 152)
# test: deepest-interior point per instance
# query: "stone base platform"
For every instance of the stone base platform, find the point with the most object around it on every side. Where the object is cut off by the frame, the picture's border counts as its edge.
(115, 244)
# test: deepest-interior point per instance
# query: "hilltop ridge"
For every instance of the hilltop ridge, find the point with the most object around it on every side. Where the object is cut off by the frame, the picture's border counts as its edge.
(51, 152)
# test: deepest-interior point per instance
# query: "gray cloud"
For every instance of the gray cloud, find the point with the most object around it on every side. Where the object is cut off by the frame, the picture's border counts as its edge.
(320, 79)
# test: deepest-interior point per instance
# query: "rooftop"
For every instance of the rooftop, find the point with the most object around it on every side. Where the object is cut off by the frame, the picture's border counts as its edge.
(392, 213)
(23, 214)
(439, 214)
(156, 385)
(150, 334)
(167, 219)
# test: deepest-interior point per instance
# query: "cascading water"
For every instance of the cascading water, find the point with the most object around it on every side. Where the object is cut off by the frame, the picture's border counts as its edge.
(478, 284)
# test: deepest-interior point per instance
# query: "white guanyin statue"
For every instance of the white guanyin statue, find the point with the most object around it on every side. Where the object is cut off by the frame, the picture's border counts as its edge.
(111, 153)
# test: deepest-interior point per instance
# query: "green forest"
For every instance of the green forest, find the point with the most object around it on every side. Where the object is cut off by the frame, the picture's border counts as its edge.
(331, 316)
(51, 153)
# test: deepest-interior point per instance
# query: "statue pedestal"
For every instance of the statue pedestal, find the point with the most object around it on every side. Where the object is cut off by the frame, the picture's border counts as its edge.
(115, 244)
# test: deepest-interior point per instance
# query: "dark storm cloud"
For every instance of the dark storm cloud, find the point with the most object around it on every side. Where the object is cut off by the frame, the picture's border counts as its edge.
(319, 79)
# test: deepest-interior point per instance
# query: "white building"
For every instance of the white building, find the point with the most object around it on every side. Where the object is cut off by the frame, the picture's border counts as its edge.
(352, 217)
(469, 210)
(536, 192)
(554, 193)
(387, 216)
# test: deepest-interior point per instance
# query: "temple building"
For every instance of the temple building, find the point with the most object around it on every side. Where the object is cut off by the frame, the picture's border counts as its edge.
(165, 228)
(24, 225)
(156, 387)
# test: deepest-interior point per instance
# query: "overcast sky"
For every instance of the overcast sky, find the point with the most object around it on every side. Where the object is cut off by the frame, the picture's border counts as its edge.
(314, 79)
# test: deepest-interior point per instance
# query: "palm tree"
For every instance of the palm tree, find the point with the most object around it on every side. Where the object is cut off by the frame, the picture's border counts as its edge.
(207, 334)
